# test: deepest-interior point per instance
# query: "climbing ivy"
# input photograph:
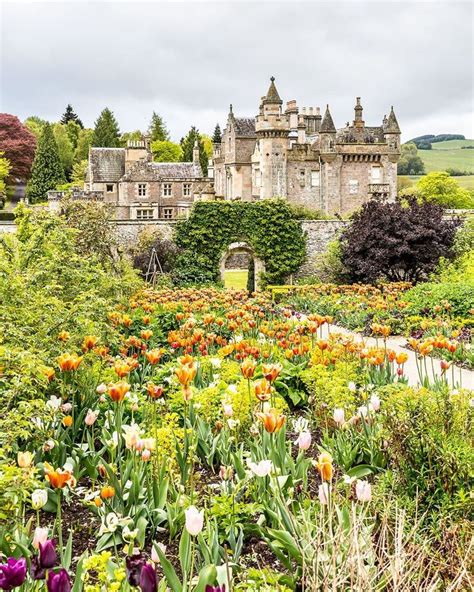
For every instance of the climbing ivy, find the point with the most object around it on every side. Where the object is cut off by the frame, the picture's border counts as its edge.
(267, 226)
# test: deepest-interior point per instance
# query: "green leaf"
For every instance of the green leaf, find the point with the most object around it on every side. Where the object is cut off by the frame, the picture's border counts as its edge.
(185, 551)
(169, 571)
(207, 575)
(360, 471)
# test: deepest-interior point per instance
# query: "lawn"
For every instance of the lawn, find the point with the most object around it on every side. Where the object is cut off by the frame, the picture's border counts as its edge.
(236, 278)
(450, 154)
(466, 181)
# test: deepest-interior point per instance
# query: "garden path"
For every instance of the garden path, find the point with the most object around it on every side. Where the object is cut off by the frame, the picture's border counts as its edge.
(462, 376)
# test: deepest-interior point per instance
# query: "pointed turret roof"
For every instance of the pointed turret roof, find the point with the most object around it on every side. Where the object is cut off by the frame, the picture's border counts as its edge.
(327, 124)
(392, 123)
(272, 94)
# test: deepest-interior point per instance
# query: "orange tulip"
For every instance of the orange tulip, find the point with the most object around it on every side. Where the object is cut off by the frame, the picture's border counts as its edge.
(154, 356)
(154, 391)
(107, 492)
(248, 368)
(89, 342)
(121, 368)
(146, 334)
(263, 389)
(58, 478)
(186, 374)
(271, 371)
(401, 358)
(324, 466)
(49, 373)
(63, 336)
(69, 362)
(67, 421)
(118, 390)
(272, 420)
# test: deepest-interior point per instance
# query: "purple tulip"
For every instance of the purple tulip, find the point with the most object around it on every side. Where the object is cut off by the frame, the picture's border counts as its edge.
(148, 579)
(47, 554)
(59, 581)
(134, 565)
(12, 573)
(36, 571)
(215, 588)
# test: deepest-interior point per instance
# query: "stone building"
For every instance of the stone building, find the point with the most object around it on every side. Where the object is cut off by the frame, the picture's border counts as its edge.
(300, 155)
(137, 187)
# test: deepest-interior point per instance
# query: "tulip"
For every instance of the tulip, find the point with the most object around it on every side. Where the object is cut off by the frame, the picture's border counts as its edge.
(12, 573)
(89, 342)
(121, 368)
(47, 554)
(186, 373)
(101, 389)
(375, 402)
(304, 440)
(59, 581)
(248, 368)
(324, 466)
(91, 417)
(58, 478)
(261, 469)
(107, 492)
(154, 555)
(338, 416)
(363, 491)
(63, 336)
(69, 362)
(24, 459)
(118, 390)
(323, 494)
(210, 588)
(228, 410)
(263, 389)
(154, 391)
(146, 334)
(146, 454)
(40, 537)
(154, 356)
(134, 565)
(148, 579)
(39, 498)
(67, 421)
(271, 371)
(194, 520)
(49, 373)
(272, 420)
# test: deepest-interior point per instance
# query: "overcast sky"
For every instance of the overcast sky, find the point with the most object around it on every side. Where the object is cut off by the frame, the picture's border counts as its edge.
(189, 60)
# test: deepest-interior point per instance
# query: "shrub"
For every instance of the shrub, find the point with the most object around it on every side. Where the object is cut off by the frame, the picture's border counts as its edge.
(457, 299)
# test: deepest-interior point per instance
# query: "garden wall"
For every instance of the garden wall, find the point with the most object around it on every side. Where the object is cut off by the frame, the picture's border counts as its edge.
(319, 233)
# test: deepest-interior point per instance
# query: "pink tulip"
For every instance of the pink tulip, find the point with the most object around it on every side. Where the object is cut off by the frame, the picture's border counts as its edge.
(154, 554)
(228, 411)
(40, 537)
(304, 440)
(91, 417)
(375, 402)
(363, 491)
(101, 389)
(146, 455)
(194, 520)
(339, 416)
(261, 469)
(323, 494)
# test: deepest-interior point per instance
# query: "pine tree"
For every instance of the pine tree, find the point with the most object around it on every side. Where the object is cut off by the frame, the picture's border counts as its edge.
(187, 145)
(217, 136)
(69, 115)
(106, 131)
(47, 171)
(157, 129)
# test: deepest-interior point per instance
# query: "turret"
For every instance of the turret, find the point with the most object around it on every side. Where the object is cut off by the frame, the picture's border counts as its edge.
(327, 132)
(392, 132)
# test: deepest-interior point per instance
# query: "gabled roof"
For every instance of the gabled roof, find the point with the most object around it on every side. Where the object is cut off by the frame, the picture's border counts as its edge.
(272, 93)
(176, 170)
(107, 164)
(244, 126)
(392, 124)
(327, 124)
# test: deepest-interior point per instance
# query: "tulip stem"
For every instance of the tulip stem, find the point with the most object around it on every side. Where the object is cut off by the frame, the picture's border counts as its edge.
(60, 527)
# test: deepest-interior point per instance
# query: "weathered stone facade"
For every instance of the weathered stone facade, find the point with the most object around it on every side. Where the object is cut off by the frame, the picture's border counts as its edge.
(301, 156)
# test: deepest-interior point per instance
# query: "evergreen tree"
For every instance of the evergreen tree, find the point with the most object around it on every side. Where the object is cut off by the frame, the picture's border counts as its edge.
(69, 115)
(187, 145)
(47, 171)
(157, 129)
(106, 131)
(217, 136)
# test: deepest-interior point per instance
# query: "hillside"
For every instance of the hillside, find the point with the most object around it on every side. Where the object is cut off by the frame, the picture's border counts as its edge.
(449, 155)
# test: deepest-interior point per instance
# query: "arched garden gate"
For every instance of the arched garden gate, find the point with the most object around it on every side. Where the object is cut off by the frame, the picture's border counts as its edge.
(242, 247)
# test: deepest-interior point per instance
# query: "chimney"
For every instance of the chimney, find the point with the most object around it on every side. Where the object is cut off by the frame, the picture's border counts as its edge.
(301, 130)
(196, 152)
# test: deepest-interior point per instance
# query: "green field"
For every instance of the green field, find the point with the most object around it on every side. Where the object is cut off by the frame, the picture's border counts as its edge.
(449, 155)
(236, 278)
(467, 182)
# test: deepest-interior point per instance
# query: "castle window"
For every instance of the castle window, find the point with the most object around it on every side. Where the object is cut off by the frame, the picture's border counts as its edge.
(353, 186)
(167, 213)
(145, 214)
(166, 190)
(186, 189)
(109, 188)
(314, 178)
(141, 189)
(376, 174)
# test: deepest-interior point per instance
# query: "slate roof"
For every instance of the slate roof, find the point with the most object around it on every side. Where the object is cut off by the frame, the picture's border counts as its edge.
(272, 94)
(365, 135)
(392, 123)
(327, 124)
(245, 127)
(176, 170)
(107, 164)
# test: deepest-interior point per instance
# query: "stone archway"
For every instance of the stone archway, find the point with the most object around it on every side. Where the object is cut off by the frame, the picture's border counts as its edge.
(242, 247)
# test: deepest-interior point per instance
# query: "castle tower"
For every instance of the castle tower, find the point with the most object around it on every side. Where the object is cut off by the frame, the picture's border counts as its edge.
(391, 132)
(358, 121)
(327, 132)
(272, 128)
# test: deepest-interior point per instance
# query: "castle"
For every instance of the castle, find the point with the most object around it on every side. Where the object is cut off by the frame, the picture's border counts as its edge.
(301, 156)
(296, 154)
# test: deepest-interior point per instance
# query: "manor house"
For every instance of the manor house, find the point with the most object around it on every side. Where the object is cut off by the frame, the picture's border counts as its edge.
(299, 154)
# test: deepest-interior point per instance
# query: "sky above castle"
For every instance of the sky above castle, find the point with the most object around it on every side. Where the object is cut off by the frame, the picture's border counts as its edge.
(189, 60)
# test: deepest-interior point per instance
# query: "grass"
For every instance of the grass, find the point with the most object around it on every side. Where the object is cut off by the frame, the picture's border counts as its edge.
(445, 155)
(236, 278)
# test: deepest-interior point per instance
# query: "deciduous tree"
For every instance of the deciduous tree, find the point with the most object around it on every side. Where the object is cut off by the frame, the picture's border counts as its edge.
(47, 171)
(84, 142)
(441, 188)
(106, 131)
(18, 144)
(165, 151)
(410, 163)
(65, 147)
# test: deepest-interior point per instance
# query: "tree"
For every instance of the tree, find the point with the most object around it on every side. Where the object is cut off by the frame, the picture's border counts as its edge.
(84, 142)
(187, 146)
(166, 250)
(395, 241)
(18, 144)
(65, 148)
(79, 171)
(130, 137)
(106, 131)
(217, 135)
(165, 151)
(157, 129)
(410, 163)
(69, 115)
(73, 131)
(35, 124)
(439, 187)
(47, 171)
(207, 143)
(4, 170)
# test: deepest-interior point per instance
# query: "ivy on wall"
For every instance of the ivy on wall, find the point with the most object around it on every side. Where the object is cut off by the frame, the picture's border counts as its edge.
(267, 226)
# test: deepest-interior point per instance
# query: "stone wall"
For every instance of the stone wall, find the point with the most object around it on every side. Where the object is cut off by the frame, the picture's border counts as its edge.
(128, 231)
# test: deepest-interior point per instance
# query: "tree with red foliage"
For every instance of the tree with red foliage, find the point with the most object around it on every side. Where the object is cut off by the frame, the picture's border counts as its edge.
(19, 145)
(401, 241)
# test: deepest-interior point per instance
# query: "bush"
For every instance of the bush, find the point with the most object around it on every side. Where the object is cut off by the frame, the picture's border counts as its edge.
(426, 298)
(165, 250)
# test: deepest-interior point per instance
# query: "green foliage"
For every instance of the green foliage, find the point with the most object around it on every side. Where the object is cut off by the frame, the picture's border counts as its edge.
(166, 151)
(426, 297)
(4, 170)
(217, 135)
(47, 171)
(157, 129)
(79, 171)
(187, 146)
(440, 188)
(70, 116)
(35, 125)
(65, 147)
(267, 226)
(84, 142)
(304, 213)
(106, 130)
(73, 131)
(410, 162)
(127, 137)
(329, 266)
